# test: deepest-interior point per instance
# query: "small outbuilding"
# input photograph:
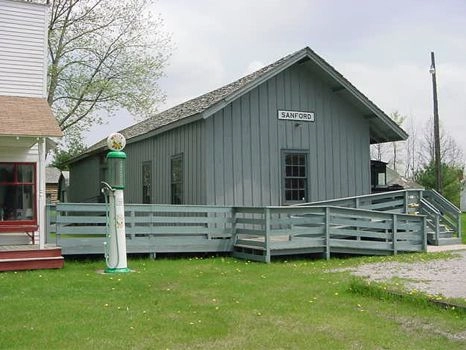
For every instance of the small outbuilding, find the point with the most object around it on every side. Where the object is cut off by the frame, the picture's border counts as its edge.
(294, 131)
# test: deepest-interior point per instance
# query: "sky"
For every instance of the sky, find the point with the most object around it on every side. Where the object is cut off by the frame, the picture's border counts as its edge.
(381, 47)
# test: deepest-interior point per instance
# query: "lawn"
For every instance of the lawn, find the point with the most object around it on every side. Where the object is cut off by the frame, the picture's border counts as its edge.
(214, 303)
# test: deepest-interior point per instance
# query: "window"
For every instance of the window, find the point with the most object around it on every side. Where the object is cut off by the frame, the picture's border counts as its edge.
(294, 177)
(147, 182)
(17, 192)
(177, 179)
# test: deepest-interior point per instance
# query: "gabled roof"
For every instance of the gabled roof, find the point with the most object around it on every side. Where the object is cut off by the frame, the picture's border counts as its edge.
(383, 128)
(27, 116)
(52, 175)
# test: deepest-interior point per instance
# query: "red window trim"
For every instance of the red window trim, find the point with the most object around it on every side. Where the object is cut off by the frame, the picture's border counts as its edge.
(33, 221)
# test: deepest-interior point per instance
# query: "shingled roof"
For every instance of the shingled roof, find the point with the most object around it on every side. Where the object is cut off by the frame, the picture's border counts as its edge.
(383, 128)
(27, 116)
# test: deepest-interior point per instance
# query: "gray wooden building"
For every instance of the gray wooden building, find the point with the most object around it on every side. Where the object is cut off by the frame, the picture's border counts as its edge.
(293, 131)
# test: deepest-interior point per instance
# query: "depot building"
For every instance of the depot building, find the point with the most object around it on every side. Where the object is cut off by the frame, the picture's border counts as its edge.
(294, 131)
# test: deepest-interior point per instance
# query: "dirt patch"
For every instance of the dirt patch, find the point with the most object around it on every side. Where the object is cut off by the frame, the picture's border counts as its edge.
(434, 277)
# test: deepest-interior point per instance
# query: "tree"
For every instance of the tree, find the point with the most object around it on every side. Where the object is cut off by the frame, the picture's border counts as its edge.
(390, 152)
(398, 119)
(452, 176)
(104, 55)
(450, 152)
(412, 151)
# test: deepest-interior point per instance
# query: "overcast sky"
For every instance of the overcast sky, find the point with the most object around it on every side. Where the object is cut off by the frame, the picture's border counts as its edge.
(382, 47)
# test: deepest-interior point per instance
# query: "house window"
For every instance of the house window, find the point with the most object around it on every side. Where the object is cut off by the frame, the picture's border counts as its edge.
(147, 182)
(294, 177)
(177, 179)
(17, 193)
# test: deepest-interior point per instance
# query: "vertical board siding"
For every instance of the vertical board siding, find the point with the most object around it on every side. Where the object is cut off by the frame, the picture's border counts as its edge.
(23, 41)
(85, 181)
(245, 140)
(160, 149)
(234, 157)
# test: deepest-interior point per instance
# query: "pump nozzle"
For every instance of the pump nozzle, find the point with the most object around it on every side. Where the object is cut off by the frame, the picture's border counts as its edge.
(106, 187)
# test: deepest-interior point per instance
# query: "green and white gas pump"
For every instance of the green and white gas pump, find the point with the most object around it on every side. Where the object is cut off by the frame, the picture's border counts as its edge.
(115, 247)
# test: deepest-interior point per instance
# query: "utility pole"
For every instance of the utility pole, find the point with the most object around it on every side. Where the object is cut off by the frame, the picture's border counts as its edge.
(438, 165)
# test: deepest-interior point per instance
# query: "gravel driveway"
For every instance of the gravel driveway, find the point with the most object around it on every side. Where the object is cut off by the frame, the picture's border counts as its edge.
(444, 277)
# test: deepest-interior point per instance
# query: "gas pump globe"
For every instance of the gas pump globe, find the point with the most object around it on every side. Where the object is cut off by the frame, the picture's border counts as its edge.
(116, 161)
(115, 247)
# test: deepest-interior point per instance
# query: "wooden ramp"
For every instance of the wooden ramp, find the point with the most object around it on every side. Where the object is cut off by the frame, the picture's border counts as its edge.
(30, 257)
(278, 231)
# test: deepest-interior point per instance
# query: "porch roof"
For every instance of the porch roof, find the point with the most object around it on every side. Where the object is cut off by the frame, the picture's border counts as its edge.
(27, 116)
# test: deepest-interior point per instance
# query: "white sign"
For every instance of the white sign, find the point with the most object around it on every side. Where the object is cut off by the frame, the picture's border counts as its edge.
(116, 142)
(296, 115)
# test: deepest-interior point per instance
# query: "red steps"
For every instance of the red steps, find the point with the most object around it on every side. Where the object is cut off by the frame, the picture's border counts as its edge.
(17, 258)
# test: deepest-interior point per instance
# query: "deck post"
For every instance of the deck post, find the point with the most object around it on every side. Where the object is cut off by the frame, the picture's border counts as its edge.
(132, 226)
(406, 202)
(58, 224)
(267, 235)
(233, 226)
(48, 221)
(327, 233)
(41, 200)
(424, 234)
(395, 224)
(459, 226)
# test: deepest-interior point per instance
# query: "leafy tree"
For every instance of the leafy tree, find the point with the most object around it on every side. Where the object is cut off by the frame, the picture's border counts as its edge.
(452, 180)
(62, 155)
(104, 55)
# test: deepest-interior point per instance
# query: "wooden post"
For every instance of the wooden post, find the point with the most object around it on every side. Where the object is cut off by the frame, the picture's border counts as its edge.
(424, 234)
(58, 225)
(133, 223)
(327, 233)
(394, 222)
(406, 201)
(437, 153)
(267, 235)
(458, 225)
(41, 200)
(233, 227)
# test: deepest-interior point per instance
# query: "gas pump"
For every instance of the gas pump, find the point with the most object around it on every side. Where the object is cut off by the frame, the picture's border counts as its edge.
(115, 247)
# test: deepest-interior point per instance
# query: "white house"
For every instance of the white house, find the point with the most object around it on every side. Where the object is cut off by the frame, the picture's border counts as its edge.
(26, 120)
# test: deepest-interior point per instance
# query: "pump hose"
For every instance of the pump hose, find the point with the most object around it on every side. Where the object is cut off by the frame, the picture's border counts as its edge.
(107, 225)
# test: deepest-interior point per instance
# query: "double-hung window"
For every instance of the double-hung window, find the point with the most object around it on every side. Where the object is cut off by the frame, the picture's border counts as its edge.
(17, 193)
(177, 195)
(294, 169)
(147, 182)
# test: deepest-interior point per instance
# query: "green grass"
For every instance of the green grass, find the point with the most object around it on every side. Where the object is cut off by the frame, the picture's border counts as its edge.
(215, 303)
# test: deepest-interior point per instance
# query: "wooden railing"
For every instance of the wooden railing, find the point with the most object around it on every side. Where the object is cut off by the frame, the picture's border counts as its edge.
(440, 212)
(393, 201)
(326, 229)
(150, 228)
(81, 228)
(450, 215)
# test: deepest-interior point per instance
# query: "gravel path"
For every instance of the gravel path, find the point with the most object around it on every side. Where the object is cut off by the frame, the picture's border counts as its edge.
(444, 277)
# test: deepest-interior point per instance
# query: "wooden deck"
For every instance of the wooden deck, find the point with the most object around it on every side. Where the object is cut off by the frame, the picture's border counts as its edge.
(385, 223)
(30, 257)
(246, 232)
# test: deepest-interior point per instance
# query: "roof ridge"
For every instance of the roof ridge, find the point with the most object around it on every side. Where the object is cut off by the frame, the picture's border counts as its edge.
(194, 105)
